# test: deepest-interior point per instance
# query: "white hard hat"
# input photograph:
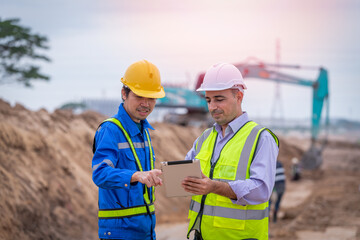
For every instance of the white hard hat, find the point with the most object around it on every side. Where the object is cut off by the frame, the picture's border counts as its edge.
(222, 76)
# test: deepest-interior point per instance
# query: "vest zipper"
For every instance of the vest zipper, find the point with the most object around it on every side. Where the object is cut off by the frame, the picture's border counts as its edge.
(211, 175)
(203, 198)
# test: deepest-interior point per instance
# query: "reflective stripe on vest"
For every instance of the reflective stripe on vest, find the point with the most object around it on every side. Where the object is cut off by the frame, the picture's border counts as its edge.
(125, 145)
(202, 138)
(148, 208)
(245, 154)
(127, 212)
(280, 174)
(224, 212)
(280, 178)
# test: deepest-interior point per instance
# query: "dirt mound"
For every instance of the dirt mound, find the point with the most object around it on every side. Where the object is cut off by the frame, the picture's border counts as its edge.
(45, 173)
(332, 205)
(47, 191)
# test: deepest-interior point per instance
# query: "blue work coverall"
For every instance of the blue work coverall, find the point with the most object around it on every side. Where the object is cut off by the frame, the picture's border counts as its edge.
(113, 165)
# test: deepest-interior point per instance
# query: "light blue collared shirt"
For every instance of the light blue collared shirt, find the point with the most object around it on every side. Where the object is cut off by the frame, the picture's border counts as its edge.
(257, 189)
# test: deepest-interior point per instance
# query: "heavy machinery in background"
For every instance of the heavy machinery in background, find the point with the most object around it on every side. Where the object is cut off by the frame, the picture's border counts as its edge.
(185, 107)
(196, 105)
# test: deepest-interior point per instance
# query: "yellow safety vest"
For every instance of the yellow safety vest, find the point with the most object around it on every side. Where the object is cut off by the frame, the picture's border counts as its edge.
(215, 216)
(148, 207)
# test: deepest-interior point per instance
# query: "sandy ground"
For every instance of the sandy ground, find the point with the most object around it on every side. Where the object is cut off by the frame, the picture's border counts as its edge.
(175, 231)
(47, 191)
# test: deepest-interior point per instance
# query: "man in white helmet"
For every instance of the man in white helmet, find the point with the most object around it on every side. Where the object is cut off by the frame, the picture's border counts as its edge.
(238, 161)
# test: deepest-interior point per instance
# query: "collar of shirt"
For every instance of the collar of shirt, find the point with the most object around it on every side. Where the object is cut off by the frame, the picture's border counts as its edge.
(233, 126)
(129, 124)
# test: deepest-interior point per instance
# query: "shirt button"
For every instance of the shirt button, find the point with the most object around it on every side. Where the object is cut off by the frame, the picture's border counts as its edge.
(126, 185)
(109, 233)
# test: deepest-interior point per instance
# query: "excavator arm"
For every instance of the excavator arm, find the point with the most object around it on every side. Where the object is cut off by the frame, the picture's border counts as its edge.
(319, 87)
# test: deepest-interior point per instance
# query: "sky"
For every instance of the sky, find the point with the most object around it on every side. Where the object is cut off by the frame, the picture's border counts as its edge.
(92, 42)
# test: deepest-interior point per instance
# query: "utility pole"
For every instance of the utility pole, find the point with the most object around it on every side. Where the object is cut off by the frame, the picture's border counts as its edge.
(277, 115)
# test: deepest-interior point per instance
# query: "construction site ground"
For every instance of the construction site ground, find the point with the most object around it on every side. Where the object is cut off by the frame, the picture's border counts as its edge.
(47, 191)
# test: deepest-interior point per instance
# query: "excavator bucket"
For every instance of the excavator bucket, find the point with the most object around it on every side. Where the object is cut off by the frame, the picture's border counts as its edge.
(312, 158)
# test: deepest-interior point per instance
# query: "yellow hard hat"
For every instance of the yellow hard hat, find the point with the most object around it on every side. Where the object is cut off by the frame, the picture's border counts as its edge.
(143, 78)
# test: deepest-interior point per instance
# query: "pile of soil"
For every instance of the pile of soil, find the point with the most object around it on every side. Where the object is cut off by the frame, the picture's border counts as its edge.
(47, 191)
(333, 199)
(45, 173)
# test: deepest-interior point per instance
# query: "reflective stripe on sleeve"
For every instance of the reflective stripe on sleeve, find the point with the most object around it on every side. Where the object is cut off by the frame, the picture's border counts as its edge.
(107, 161)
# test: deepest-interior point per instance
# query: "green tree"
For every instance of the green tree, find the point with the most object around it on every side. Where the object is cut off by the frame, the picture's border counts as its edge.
(18, 51)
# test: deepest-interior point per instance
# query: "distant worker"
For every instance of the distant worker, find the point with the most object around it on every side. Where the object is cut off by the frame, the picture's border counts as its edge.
(295, 169)
(123, 162)
(238, 161)
(279, 188)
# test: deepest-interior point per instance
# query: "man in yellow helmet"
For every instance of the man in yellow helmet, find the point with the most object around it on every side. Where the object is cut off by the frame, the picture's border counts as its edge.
(123, 161)
(238, 159)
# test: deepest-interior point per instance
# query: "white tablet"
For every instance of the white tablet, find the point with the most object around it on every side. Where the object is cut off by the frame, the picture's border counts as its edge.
(174, 173)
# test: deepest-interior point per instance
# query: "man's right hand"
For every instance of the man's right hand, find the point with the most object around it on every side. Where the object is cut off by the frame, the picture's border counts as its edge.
(150, 178)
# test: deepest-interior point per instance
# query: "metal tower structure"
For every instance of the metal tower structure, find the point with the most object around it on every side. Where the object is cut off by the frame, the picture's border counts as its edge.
(277, 113)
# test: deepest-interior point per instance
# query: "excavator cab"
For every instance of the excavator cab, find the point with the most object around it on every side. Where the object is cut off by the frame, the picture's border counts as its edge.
(312, 158)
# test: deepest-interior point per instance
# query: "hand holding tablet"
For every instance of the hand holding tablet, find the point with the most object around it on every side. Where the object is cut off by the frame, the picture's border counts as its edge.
(174, 173)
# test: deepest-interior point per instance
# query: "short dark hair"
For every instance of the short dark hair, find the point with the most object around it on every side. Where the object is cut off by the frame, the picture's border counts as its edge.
(127, 91)
(234, 92)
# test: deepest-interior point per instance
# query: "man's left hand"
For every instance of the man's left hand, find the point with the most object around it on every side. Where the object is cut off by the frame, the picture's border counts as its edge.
(198, 186)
